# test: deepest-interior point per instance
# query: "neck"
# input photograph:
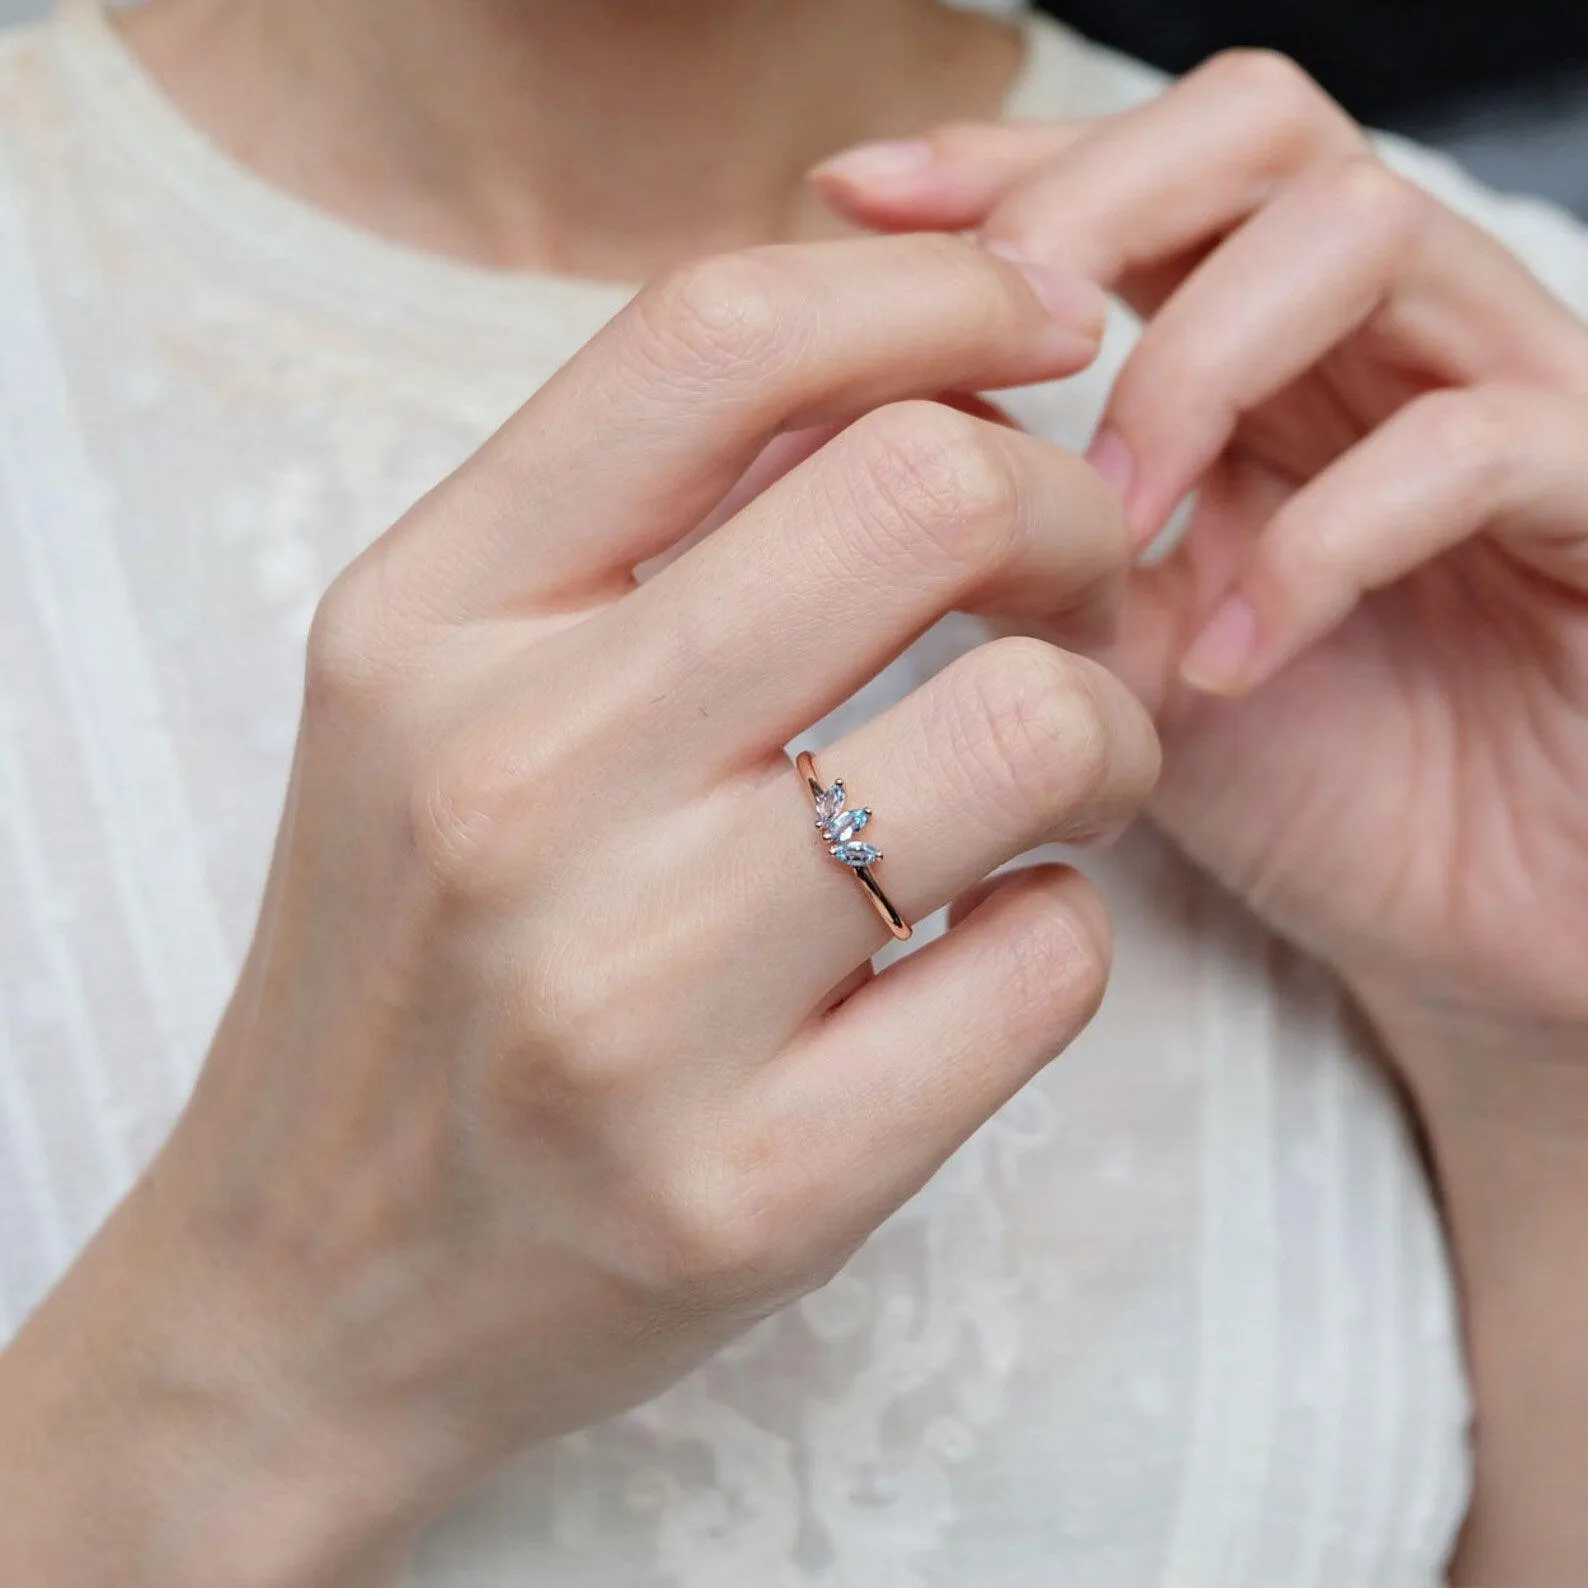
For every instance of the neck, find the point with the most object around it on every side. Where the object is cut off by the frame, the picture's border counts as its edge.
(605, 138)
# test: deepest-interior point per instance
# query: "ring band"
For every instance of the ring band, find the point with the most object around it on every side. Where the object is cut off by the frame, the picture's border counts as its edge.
(839, 827)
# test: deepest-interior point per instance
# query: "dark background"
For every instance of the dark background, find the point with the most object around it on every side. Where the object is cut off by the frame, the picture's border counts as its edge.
(1386, 60)
(1502, 87)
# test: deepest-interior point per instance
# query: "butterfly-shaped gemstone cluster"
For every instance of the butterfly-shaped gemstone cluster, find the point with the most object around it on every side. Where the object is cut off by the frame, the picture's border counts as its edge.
(839, 827)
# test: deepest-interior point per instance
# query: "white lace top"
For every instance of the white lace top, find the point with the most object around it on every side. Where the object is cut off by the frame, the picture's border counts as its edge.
(1178, 1316)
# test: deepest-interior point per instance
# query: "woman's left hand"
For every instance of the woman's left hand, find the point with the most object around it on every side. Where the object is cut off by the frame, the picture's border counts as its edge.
(1369, 653)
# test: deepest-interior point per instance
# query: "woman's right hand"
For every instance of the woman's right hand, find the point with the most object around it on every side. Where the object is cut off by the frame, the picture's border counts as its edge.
(555, 1060)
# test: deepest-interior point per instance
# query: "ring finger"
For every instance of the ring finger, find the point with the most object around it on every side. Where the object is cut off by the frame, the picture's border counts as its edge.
(1011, 746)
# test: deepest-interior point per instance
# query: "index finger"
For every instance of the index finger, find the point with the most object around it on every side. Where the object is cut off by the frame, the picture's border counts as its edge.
(952, 178)
(636, 440)
(1130, 200)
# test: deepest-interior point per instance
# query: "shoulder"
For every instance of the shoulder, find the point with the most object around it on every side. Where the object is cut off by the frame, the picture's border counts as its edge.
(48, 205)
(37, 134)
(1069, 75)
(32, 97)
(22, 50)
(37, 282)
(1550, 240)
(21, 183)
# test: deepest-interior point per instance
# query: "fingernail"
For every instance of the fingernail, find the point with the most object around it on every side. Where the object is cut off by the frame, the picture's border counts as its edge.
(1109, 455)
(1070, 299)
(878, 164)
(1219, 654)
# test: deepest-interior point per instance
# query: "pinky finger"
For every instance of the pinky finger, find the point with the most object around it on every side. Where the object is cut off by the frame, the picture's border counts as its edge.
(885, 1087)
(1508, 461)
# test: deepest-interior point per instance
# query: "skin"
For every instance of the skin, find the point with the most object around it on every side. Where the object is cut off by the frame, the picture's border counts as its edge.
(447, 124)
(1384, 415)
(431, 1083)
(536, 1087)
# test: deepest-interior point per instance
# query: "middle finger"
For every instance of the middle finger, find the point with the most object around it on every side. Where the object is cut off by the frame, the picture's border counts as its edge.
(913, 511)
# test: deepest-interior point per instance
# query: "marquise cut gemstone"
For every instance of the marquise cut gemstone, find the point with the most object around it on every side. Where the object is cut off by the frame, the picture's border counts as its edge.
(845, 825)
(830, 801)
(857, 854)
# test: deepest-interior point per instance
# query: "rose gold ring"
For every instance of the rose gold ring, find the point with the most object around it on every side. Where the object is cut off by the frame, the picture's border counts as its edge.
(840, 828)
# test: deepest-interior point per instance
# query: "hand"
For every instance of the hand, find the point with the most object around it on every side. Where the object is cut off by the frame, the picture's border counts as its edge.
(1369, 656)
(556, 1059)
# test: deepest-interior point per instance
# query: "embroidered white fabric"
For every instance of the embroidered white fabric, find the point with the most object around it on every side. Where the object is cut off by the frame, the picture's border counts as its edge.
(1179, 1315)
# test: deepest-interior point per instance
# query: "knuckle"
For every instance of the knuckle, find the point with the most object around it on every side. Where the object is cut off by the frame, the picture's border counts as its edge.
(1302, 551)
(604, 1003)
(1468, 433)
(725, 1229)
(592, 1042)
(717, 317)
(1269, 77)
(1132, 754)
(464, 814)
(1287, 115)
(1028, 719)
(352, 658)
(1058, 964)
(541, 1087)
(936, 485)
(1368, 195)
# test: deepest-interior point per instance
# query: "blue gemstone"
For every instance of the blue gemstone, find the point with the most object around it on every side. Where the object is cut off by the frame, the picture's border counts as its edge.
(845, 825)
(857, 854)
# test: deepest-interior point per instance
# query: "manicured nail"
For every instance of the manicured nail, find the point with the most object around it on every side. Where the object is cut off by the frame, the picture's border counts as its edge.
(1072, 300)
(878, 164)
(1219, 654)
(1109, 455)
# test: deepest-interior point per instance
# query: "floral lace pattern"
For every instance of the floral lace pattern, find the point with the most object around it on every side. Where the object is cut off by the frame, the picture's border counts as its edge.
(1178, 1315)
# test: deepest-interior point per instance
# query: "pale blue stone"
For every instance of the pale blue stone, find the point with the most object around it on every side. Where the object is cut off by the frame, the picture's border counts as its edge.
(845, 825)
(856, 854)
(830, 801)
